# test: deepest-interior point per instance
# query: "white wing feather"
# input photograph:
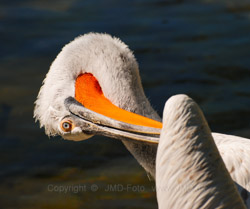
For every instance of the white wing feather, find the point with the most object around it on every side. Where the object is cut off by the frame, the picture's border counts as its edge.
(235, 152)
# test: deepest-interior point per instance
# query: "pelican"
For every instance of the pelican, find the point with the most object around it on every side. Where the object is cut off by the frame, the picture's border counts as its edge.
(190, 172)
(94, 87)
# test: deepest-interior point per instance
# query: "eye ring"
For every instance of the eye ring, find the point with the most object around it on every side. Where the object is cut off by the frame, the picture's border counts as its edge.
(66, 125)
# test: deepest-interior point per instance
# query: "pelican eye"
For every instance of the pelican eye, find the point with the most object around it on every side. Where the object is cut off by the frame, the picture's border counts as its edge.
(66, 126)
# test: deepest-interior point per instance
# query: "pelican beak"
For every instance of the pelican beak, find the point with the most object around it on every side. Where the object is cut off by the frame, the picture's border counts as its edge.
(93, 123)
(93, 114)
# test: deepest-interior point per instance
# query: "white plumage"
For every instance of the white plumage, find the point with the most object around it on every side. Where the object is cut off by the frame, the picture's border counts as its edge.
(116, 69)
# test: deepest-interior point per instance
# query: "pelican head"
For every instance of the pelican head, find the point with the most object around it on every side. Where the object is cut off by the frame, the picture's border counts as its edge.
(93, 87)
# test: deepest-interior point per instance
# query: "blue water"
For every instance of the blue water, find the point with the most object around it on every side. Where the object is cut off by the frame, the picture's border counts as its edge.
(200, 48)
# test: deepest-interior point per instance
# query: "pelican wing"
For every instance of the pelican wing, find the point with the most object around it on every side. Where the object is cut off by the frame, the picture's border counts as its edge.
(189, 170)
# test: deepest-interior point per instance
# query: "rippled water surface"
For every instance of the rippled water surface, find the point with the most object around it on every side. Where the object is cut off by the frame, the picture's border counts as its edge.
(200, 48)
